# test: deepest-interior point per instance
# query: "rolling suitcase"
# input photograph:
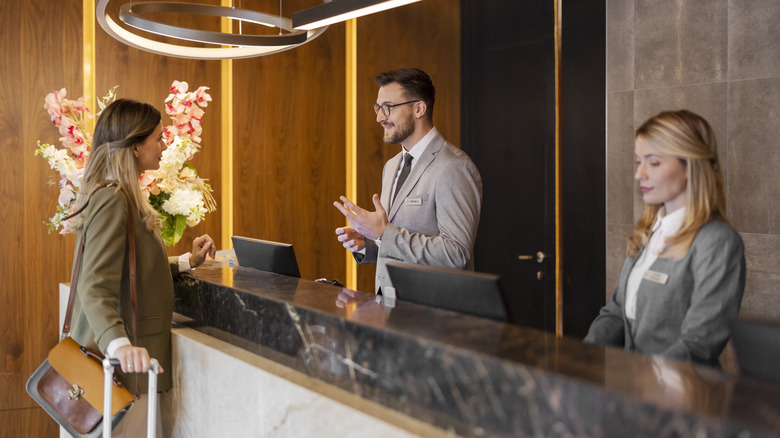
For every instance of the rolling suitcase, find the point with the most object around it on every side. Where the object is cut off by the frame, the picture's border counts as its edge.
(151, 415)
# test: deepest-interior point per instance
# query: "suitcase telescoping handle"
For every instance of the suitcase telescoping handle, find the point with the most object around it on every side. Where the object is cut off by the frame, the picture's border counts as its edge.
(151, 415)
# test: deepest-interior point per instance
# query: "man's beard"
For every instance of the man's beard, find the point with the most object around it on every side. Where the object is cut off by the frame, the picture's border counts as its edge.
(401, 132)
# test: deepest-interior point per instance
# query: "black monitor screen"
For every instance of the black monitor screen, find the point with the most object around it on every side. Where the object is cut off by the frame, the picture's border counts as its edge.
(757, 347)
(463, 291)
(266, 255)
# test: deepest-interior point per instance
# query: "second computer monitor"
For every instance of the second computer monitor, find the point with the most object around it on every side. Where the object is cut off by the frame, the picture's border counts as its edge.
(463, 291)
(266, 255)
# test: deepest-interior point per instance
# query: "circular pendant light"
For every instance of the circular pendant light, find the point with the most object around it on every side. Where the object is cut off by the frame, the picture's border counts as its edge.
(240, 46)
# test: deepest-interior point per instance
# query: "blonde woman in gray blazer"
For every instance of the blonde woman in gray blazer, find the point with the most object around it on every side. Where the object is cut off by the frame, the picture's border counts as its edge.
(683, 280)
(430, 215)
(128, 139)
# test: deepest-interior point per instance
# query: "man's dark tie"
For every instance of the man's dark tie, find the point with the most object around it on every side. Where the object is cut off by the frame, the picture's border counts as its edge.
(404, 173)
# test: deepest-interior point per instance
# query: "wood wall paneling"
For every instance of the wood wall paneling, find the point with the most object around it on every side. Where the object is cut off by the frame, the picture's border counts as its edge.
(11, 216)
(425, 35)
(27, 423)
(290, 147)
(34, 62)
(147, 77)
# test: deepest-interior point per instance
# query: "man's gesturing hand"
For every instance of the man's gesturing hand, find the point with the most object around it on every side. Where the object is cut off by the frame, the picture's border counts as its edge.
(370, 224)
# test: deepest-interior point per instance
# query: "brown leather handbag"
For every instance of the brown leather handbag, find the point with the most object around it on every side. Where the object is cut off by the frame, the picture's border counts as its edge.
(69, 383)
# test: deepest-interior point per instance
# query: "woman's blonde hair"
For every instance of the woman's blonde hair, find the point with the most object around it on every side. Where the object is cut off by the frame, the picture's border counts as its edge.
(123, 124)
(689, 138)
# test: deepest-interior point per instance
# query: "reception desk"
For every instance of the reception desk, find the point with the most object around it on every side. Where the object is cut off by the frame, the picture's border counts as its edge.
(415, 370)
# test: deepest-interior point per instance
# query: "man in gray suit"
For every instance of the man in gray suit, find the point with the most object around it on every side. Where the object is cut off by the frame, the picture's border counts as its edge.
(431, 191)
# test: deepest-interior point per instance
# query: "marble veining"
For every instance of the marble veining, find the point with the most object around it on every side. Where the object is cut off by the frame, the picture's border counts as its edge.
(469, 375)
(217, 393)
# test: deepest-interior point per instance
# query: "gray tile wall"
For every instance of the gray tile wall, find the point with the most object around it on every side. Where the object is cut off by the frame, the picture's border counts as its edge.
(720, 59)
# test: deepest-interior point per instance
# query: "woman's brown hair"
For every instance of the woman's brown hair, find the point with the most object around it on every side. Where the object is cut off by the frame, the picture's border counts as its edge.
(123, 124)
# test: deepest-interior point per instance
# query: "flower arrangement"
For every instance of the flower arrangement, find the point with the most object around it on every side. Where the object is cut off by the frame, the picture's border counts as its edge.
(175, 190)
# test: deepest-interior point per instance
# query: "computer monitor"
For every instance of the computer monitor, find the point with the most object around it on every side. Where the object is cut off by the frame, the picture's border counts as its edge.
(468, 292)
(265, 255)
(757, 347)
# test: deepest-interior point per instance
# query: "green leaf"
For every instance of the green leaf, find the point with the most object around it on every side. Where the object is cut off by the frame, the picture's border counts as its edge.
(173, 228)
(181, 225)
(168, 228)
(158, 200)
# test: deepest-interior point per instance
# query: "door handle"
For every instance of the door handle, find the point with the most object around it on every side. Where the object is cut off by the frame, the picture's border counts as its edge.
(539, 257)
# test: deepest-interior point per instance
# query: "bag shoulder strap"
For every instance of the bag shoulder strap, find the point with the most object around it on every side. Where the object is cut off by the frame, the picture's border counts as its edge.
(77, 268)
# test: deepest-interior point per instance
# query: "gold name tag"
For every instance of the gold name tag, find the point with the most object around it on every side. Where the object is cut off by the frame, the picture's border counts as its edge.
(656, 277)
(413, 201)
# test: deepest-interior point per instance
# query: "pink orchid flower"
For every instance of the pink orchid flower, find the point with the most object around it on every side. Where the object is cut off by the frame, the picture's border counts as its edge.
(169, 135)
(201, 97)
(181, 119)
(65, 126)
(66, 195)
(81, 161)
(53, 103)
(196, 113)
(173, 107)
(146, 179)
(80, 106)
(177, 89)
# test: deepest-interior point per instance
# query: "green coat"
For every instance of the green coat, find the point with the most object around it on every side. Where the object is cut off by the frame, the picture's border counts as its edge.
(102, 311)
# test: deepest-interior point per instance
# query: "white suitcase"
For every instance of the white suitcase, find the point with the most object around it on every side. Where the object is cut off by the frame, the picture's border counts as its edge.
(151, 415)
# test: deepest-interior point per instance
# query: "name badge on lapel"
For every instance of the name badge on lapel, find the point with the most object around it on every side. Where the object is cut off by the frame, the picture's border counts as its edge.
(413, 201)
(656, 277)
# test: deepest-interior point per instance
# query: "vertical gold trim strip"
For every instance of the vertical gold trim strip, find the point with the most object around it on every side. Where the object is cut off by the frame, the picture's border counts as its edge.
(558, 234)
(351, 132)
(88, 53)
(226, 124)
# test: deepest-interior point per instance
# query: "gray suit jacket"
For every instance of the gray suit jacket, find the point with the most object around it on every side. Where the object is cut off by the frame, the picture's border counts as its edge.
(688, 317)
(434, 219)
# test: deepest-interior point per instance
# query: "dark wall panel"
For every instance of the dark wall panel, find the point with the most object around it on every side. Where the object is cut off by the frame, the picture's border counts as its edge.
(583, 146)
(508, 130)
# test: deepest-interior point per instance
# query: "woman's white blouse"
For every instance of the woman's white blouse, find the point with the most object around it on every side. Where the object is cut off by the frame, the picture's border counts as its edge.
(665, 226)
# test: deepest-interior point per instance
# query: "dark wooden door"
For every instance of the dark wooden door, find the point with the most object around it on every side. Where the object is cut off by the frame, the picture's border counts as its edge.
(508, 129)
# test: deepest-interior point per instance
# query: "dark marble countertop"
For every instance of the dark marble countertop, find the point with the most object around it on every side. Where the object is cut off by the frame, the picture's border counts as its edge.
(470, 375)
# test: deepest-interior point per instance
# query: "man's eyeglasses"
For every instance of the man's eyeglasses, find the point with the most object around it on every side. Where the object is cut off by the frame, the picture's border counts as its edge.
(386, 108)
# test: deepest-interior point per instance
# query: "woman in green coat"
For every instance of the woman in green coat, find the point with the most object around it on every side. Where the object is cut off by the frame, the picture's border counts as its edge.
(129, 141)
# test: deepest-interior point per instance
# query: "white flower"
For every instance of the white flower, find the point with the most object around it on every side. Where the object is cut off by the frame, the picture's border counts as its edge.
(173, 157)
(62, 162)
(190, 196)
(187, 203)
(187, 173)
